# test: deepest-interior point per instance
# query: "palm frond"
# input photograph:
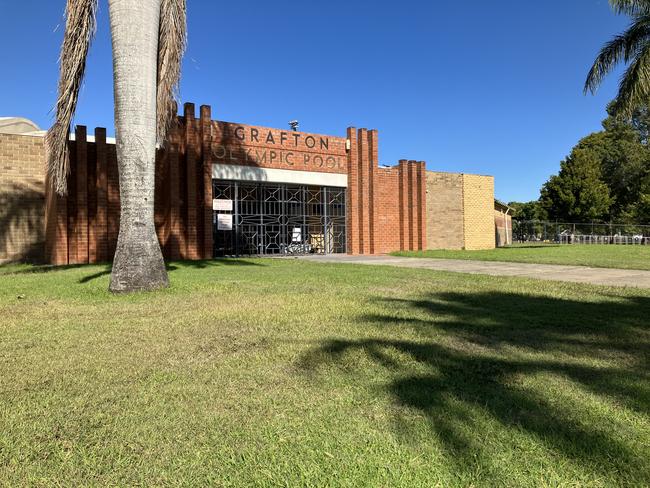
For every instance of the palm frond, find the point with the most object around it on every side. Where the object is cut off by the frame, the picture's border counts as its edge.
(171, 46)
(634, 88)
(79, 31)
(621, 49)
(630, 7)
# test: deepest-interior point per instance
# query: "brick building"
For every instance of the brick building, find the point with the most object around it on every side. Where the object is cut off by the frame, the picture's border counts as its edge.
(502, 223)
(459, 211)
(233, 189)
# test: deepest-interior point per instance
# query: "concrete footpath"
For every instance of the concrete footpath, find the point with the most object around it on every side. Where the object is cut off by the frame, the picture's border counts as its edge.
(551, 272)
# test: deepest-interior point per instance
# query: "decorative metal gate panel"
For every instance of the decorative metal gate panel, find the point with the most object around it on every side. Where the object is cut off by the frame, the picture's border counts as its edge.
(271, 218)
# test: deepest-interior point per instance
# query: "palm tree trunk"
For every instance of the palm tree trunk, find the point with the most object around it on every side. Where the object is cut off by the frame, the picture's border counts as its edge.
(138, 263)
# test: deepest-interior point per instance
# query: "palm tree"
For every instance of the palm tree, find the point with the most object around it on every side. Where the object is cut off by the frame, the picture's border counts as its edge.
(148, 38)
(632, 47)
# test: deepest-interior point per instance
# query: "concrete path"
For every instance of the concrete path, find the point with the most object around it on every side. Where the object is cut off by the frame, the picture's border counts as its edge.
(553, 272)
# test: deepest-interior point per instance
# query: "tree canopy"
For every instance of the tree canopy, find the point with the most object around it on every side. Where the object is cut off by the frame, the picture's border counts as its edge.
(577, 193)
(605, 178)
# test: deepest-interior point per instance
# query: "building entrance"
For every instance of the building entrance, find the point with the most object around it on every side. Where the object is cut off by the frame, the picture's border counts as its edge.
(271, 218)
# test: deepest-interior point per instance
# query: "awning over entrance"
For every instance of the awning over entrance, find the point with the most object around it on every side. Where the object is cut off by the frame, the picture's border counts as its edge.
(274, 175)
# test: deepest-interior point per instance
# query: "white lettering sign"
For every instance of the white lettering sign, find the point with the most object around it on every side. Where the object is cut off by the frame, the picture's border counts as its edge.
(222, 205)
(224, 222)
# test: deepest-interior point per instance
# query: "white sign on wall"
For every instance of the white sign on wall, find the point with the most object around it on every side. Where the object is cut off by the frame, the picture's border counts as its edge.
(224, 222)
(222, 205)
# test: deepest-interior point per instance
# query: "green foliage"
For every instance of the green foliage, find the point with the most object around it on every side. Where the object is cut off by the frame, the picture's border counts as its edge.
(632, 48)
(578, 193)
(527, 210)
(617, 157)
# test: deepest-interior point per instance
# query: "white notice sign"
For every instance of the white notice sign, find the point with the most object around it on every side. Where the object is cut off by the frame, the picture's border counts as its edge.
(222, 204)
(224, 222)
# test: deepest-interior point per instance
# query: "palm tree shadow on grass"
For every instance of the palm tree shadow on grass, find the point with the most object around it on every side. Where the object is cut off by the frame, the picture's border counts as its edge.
(475, 352)
(176, 265)
(106, 267)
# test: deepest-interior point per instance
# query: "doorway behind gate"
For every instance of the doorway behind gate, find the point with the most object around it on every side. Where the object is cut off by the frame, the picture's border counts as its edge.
(270, 218)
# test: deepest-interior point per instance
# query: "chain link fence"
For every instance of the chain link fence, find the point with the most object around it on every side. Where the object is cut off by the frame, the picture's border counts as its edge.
(580, 233)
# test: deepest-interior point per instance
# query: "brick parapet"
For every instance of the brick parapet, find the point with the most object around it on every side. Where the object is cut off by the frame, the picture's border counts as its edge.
(386, 206)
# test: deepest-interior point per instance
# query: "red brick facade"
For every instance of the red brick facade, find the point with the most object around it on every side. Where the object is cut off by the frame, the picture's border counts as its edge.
(385, 208)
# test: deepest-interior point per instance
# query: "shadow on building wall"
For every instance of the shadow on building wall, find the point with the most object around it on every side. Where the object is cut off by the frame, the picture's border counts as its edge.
(22, 222)
(184, 181)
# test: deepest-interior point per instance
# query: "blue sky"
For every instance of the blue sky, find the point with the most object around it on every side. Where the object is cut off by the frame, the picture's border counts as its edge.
(475, 86)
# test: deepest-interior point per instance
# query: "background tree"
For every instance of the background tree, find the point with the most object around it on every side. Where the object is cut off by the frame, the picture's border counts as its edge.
(625, 158)
(577, 193)
(526, 211)
(148, 39)
(623, 155)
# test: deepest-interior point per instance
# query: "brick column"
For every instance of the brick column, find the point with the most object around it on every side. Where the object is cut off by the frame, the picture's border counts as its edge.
(364, 192)
(191, 162)
(81, 221)
(56, 226)
(352, 210)
(405, 227)
(422, 206)
(412, 193)
(176, 241)
(71, 201)
(373, 154)
(206, 191)
(101, 220)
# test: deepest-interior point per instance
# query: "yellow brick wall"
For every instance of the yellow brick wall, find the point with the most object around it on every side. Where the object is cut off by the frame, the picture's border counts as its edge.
(444, 213)
(22, 198)
(478, 212)
(460, 211)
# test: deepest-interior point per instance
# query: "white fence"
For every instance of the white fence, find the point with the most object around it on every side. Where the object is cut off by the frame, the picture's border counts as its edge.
(611, 240)
(581, 233)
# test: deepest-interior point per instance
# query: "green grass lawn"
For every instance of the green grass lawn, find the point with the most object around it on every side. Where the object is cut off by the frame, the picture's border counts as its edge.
(624, 257)
(291, 373)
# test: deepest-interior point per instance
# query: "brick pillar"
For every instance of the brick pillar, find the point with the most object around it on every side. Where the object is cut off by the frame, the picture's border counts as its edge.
(191, 162)
(405, 226)
(91, 185)
(400, 205)
(56, 226)
(101, 219)
(206, 155)
(352, 211)
(412, 193)
(422, 205)
(364, 192)
(72, 205)
(373, 154)
(81, 184)
(176, 241)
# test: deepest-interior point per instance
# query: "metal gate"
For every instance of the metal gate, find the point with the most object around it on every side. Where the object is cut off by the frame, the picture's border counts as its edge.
(271, 218)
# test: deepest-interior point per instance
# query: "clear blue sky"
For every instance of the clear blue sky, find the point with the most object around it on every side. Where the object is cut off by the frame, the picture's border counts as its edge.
(475, 86)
